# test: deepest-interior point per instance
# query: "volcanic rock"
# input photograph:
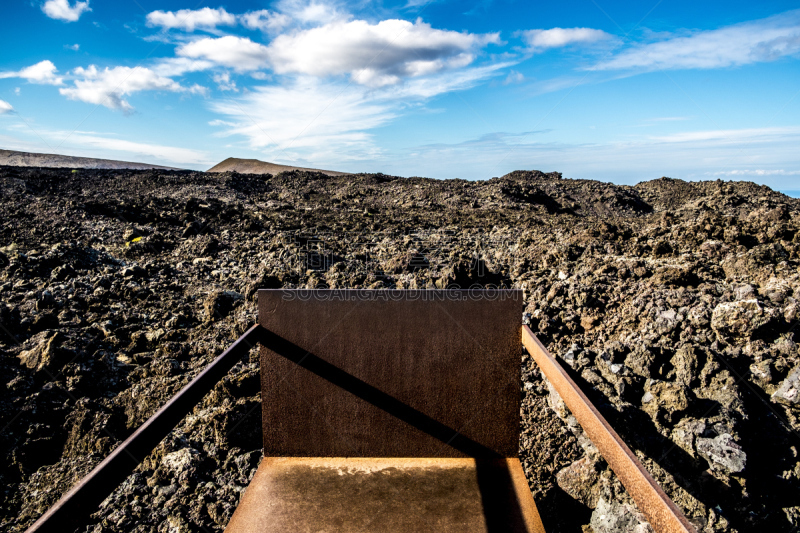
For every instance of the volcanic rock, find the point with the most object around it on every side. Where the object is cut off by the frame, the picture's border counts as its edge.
(788, 392)
(722, 452)
(45, 355)
(671, 304)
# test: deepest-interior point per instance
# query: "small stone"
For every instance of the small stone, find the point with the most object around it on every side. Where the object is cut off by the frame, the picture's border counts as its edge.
(191, 229)
(740, 318)
(762, 370)
(588, 322)
(722, 452)
(581, 481)
(62, 273)
(220, 304)
(43, 321)
(45, 301)
(666, 400)
(134, 271)
(788, 392)
(614, 517)
(44, 355)
(130, 234)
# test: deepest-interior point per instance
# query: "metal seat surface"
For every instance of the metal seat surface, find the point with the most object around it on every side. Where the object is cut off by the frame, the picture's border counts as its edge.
(401, 495)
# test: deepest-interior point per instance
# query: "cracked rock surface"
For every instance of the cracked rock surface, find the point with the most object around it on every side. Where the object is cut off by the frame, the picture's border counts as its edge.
(673, 305)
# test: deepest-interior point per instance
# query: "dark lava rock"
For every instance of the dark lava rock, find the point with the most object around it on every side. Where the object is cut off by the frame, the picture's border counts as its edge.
(673, 305)
(219, 304)
(44, 355)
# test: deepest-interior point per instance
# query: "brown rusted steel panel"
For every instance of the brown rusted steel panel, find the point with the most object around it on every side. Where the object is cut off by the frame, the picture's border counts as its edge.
(75, 507)
(355, 373)
(401, 495)
(662, 513)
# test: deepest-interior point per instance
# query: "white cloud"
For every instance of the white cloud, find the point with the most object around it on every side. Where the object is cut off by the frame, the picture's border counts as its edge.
(238, 53)
(178, 66)
(109, 87)
(312, 13)
(755, 172)
(171, 154)
(723, 136)
(559, 37)
(514, 77)
(105, 145)
(16, 91)
(5, 107)
(43, 72)
(374, 54)
(619, 161)
(189, 20)
(62, 10)
(749, 42)
(312, 116)
(264, 20)
(311, 119)
(224, 83)
(73, 47)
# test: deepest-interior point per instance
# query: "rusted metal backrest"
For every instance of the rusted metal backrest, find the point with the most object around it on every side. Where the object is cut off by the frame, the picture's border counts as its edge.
(354, 373)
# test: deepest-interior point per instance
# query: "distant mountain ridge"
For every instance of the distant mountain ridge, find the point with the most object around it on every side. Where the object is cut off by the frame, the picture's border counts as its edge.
(30, 159)
(255, 166)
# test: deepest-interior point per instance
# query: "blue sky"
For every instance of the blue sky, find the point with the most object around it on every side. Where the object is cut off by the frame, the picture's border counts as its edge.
(615, 91)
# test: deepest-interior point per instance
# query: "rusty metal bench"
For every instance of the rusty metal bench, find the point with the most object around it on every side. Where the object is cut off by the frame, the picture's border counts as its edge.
(383, 411)
(389, 411)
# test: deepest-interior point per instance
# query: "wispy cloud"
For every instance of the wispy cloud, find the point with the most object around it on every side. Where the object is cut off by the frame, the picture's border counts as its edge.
(313, 119)
(224, 82)
(539, 40)
(5, 107)
(43, 72)
(754, 172)
(514, 77)
(740, 44)
(62, 10)
(100, 145)
(264, 20)
(189, 19)
(312, 13)
(171, 154)
(109, 87)
(733, 135)
(723, 153)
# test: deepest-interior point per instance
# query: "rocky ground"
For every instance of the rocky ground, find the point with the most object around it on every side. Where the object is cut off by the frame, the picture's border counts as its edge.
(674, 304)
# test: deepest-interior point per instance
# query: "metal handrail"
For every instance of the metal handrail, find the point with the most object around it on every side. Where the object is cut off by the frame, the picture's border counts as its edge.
(661, 512)
(77, 505)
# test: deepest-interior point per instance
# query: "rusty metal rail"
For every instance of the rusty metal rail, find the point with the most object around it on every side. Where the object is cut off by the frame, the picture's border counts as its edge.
(662, 513)
(77, 505)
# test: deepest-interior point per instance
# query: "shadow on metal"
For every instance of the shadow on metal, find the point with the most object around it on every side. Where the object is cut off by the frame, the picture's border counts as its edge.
(361, 389)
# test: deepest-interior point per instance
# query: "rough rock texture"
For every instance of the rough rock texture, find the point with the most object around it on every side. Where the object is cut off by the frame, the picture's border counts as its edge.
(672, 304)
